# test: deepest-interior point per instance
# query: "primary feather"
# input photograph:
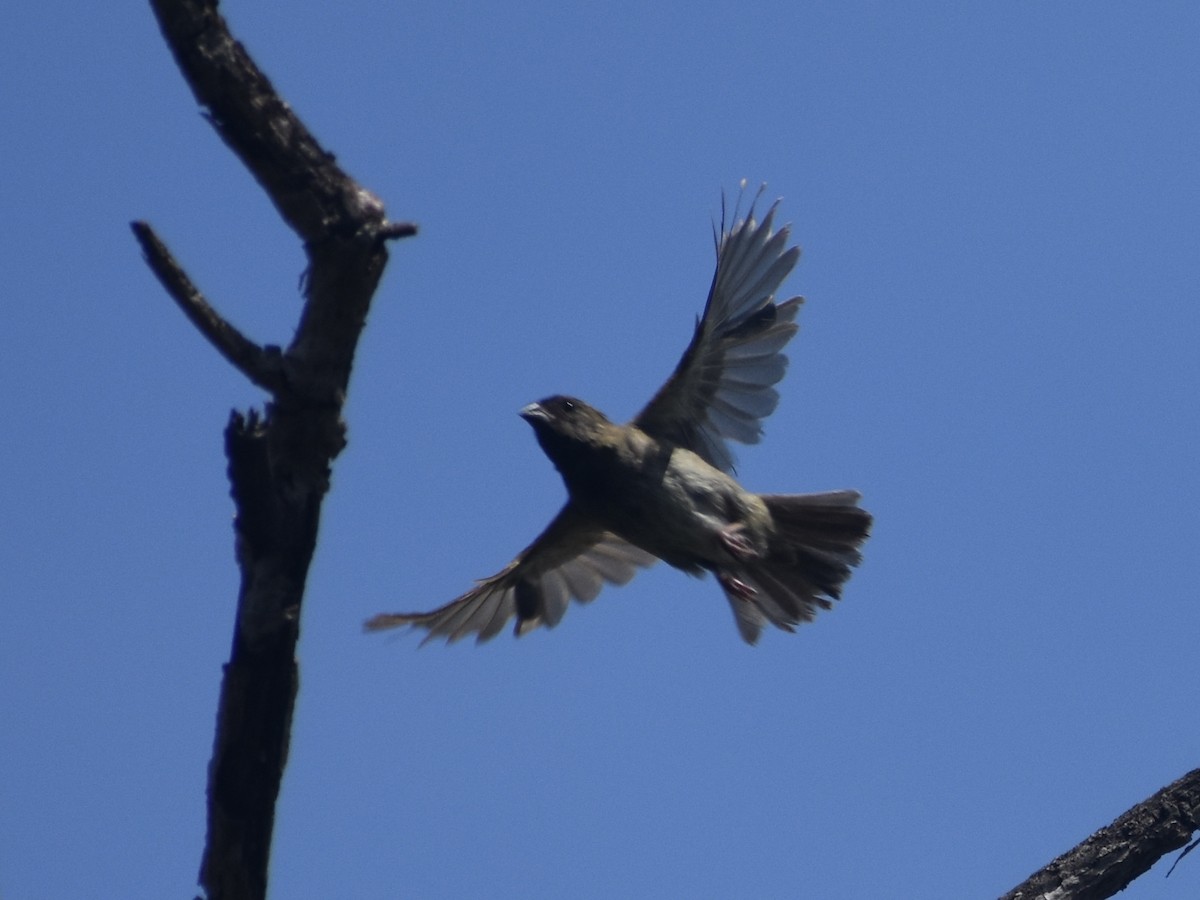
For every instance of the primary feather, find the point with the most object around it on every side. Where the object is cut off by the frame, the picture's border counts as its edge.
(722, 388)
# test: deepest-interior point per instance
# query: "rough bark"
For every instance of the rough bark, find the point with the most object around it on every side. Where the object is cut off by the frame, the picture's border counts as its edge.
(1108, 861)
(279, 461)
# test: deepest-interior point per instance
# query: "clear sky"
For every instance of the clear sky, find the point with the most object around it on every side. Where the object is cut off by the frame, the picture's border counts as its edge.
(999, 206)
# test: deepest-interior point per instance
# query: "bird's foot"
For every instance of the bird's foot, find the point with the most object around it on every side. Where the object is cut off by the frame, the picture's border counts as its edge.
(735, 587)
(735, 542)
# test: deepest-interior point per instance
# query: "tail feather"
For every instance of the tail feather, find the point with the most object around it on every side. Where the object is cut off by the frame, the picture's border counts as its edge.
(816, 545)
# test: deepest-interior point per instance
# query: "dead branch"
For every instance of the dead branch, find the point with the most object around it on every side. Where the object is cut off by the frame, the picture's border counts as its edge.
(279, 463)
(1109, 860)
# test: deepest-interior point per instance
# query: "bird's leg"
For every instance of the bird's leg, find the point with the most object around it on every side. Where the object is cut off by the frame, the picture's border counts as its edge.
(733, 539)
(735, 587)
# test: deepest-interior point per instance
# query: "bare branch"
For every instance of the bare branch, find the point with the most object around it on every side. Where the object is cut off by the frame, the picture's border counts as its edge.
(261, 367)
(394, 230)
(313, 194)
(1114, 856)
(279, 464)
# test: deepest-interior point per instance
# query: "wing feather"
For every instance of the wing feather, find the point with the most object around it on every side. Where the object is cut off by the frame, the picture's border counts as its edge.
(722, 388)
(570, 560)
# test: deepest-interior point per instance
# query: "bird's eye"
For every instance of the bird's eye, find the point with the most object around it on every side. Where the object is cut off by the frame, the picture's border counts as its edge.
(567, 406)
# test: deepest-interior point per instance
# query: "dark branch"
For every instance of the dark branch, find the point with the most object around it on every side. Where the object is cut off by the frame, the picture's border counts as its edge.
(247, 357)
(279, 464)
(1114, 856)
(393, 230)
(313, 194)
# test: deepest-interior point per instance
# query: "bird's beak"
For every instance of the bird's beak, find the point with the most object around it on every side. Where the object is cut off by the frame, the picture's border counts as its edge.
(534, 412)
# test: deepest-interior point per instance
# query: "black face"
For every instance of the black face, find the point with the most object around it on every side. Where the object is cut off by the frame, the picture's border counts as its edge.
(561, 419)
(576, 437)
(562, 414)
(563, 409)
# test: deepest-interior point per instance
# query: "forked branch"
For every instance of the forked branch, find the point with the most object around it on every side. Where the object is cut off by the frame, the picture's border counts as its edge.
(279, 462)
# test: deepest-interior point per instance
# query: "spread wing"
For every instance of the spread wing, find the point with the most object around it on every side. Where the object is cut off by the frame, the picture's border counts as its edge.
(722, 388)
(570, 560)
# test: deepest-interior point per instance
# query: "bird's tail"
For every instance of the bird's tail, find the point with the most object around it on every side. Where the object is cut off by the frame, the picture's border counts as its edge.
(815, 545)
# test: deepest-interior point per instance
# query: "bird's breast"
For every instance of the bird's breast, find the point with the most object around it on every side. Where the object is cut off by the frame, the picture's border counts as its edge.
(670, 503)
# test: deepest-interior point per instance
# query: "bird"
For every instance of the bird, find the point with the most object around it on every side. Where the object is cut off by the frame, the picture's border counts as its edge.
(662, 487)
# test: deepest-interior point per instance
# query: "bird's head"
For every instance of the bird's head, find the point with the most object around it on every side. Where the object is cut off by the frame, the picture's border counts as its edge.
(566, 417)
(568, 429)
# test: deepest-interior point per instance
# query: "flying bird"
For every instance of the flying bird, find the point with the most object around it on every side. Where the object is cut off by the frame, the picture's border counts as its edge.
(661, 486)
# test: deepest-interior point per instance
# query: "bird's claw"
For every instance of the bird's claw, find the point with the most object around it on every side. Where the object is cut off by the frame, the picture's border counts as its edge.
(734, 540)
(735, 587)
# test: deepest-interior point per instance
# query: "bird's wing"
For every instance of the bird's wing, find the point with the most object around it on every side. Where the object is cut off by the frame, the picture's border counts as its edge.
(722, 388)
(569, 560)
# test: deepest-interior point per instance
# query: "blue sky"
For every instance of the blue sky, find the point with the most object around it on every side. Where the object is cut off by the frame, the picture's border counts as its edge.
(999, 207)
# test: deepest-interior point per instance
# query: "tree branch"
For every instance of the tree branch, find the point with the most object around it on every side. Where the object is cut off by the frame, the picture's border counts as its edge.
(279, 463)
(1109, 860)
(247, 357)
(314, 196)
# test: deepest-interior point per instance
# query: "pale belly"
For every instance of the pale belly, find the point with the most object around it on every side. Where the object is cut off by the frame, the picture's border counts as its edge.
(678, 513)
